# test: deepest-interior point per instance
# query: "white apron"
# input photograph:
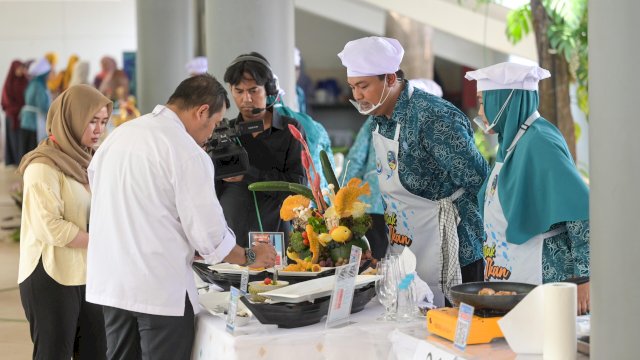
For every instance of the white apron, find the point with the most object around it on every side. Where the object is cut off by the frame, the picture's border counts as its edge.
(415, 222)
(505, 261)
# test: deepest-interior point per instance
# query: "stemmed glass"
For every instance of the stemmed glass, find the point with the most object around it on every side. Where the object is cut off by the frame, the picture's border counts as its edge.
(387, 288)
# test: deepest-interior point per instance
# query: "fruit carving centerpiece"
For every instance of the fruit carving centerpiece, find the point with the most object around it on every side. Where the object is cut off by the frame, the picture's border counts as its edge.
(322, 231)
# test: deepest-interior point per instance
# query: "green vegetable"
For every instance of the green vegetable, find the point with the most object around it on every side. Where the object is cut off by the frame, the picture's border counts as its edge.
(282, 186)
(296, 243)
(318, 225)
(327, 170)
(358, 226)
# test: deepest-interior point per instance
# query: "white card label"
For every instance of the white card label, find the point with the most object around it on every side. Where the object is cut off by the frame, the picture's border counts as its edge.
(234, 295)
(342, 296)
(465, 314)
(428, 351)
(244, 281)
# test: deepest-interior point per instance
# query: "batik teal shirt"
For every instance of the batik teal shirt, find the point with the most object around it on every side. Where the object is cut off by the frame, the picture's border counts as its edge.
(361, 163)
(566, 255)
(437, 156)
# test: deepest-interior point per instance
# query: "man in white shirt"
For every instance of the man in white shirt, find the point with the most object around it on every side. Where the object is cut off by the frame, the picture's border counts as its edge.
(153, 206)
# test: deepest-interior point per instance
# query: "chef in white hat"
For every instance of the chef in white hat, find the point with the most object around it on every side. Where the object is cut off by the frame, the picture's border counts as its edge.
(535, 203)
(429, 169)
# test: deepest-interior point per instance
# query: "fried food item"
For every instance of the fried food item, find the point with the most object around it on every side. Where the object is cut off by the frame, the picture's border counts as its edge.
(506, 293)
(486, 291)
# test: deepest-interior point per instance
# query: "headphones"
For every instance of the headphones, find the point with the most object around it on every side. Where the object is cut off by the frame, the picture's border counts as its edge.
(271, 86)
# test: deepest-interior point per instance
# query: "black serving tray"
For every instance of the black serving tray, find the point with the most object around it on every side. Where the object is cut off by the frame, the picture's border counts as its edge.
(224, 280)
(293, 315)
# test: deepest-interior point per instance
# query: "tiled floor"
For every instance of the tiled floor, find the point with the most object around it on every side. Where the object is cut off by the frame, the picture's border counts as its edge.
(15, 343)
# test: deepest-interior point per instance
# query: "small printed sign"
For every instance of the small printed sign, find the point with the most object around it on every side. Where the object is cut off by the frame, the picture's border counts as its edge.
(234, 295)
(342, 296)
(465, 314)
(244, 281)
(274, 238)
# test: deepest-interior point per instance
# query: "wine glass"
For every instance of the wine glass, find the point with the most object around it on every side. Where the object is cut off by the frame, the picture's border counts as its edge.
(387, 288)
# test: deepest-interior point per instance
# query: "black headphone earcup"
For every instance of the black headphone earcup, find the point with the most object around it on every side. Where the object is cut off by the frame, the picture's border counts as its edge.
(271, 87)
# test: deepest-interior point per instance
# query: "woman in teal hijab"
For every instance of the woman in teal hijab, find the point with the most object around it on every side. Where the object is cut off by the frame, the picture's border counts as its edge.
(535, 205)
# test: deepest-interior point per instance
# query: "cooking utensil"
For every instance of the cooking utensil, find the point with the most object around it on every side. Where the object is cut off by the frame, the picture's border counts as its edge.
(468, 294)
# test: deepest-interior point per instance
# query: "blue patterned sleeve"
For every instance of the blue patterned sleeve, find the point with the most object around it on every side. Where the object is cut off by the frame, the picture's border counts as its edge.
(579, 235)
(451, 141)
(358, 153)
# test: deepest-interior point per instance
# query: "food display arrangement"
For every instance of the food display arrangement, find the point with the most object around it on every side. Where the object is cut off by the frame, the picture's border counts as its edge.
(293, 315)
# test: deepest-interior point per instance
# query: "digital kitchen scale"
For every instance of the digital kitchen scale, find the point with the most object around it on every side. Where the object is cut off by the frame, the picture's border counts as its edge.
(484, 325)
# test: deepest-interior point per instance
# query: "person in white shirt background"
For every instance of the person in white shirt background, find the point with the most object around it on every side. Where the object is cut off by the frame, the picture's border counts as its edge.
(153, 206)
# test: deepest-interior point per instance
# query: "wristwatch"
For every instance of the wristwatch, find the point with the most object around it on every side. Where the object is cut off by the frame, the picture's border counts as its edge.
(250, 255)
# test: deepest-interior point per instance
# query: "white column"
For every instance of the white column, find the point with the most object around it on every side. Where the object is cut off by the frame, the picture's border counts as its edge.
(166, 42)
(240, 27)
(614, 56)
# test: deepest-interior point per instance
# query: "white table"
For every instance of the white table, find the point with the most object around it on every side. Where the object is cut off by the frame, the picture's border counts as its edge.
(366, 338)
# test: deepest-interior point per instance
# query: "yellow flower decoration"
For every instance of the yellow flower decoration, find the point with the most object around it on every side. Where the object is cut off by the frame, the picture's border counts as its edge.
(348, 196)
(314, 244)
(290, 203)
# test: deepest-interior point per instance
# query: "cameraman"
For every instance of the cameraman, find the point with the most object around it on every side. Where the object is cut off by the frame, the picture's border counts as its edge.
(274, 155)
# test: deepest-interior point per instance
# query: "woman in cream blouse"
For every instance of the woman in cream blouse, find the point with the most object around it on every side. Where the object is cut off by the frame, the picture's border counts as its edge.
(54, 234)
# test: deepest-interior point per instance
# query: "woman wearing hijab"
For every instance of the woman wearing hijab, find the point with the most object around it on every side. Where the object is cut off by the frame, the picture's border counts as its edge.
(62, 80)
(80, 74)
(54, 237)
(534, 202)
(12, 101)
(37, 100)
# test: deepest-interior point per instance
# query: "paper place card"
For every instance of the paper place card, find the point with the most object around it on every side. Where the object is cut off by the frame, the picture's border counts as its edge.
(234, 295)
(244, 281)
(465, 314)
(342, 296)
(274, 238)
(428, 351)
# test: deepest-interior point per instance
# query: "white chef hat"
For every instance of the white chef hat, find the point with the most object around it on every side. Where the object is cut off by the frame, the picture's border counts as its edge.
(371, 56)
(197, 65)
(39, 67)
(508, 75)
(427, 85)
(296, 57)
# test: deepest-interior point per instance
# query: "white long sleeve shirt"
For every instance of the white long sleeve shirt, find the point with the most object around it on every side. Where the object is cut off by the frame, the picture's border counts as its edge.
(153, 204)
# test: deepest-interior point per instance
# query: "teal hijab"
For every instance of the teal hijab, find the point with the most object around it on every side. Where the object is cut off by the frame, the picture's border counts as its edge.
(539, 186)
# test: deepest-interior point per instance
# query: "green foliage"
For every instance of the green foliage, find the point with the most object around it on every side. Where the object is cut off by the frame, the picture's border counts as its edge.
(318, 225)
(577, 131)
(15, 235)
(484, 147)
(518, 23)
(296, 243)
(568, 36)
(358, 226)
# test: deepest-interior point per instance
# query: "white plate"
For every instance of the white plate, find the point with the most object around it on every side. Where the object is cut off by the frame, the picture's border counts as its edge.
(225, 268)
(217, 303)
(312, 289)
(301, 273)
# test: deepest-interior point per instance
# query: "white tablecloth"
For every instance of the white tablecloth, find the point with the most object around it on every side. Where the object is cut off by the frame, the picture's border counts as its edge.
(365, 338)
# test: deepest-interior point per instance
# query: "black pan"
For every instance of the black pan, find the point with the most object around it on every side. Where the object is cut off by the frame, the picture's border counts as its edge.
(468, 294)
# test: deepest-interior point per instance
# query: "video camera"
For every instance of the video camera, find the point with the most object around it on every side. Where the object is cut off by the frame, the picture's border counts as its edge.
(228, 156)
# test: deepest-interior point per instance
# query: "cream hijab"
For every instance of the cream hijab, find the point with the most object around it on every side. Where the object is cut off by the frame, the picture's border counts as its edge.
(68, 117)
